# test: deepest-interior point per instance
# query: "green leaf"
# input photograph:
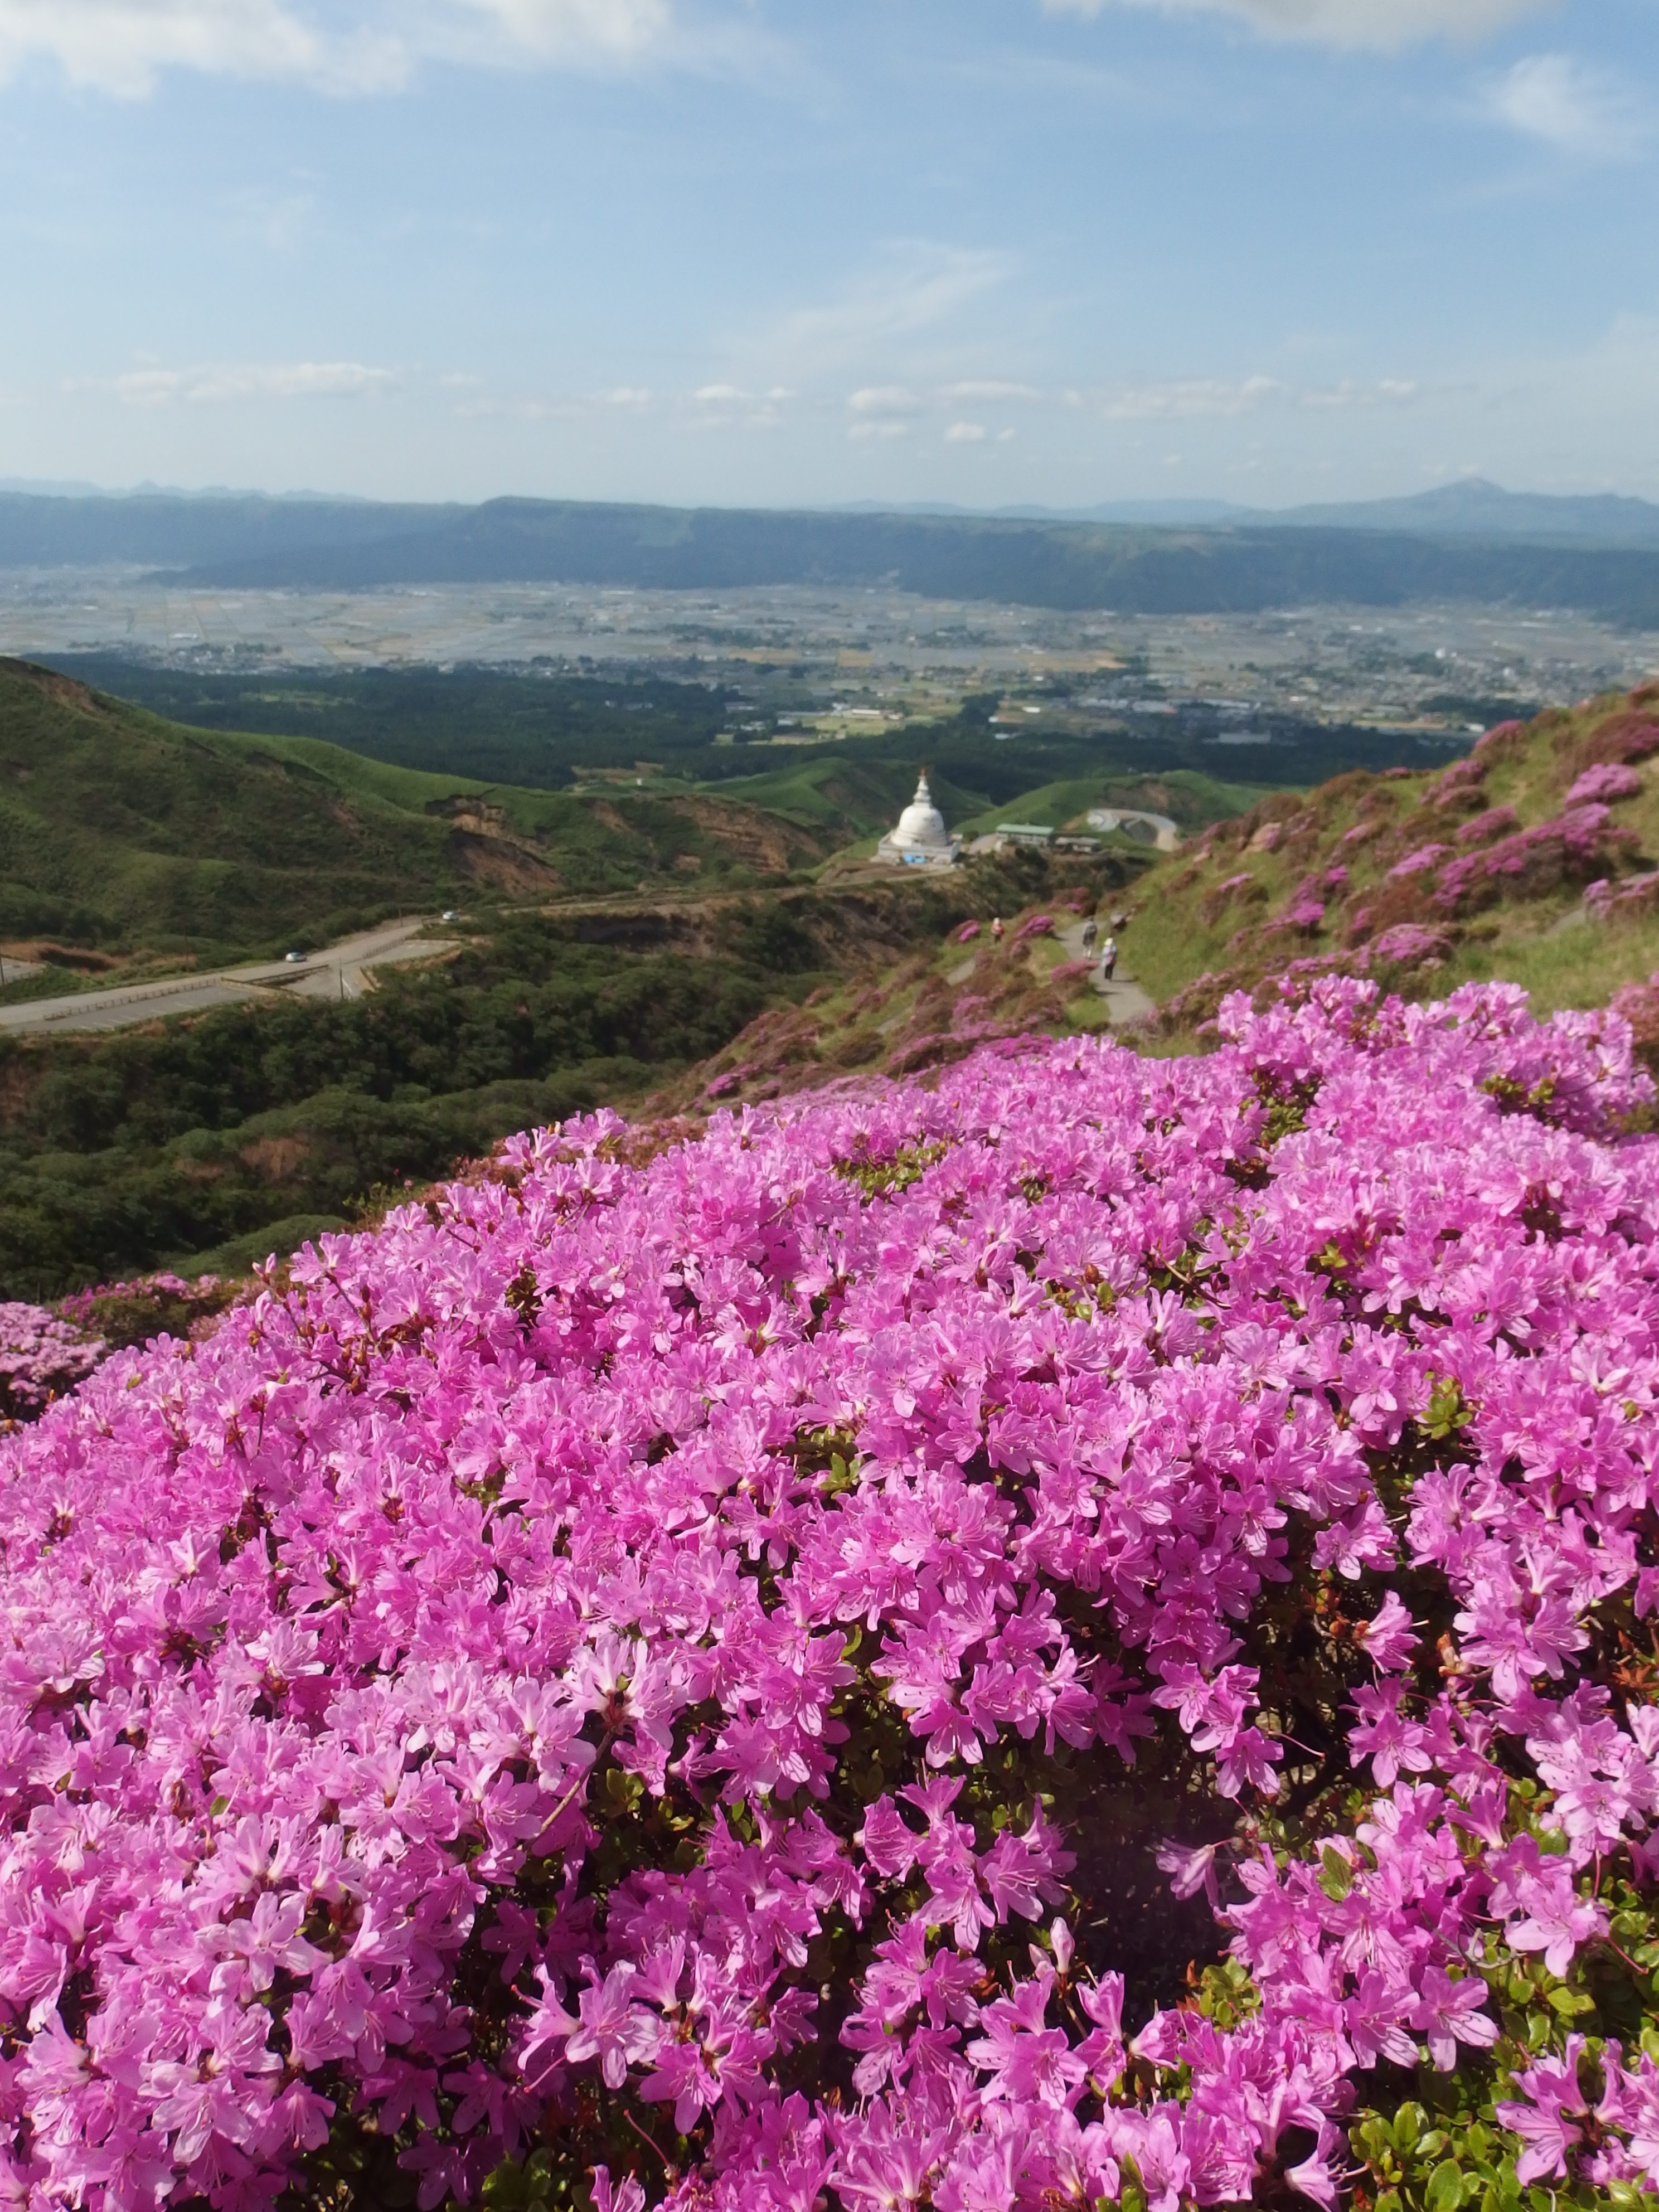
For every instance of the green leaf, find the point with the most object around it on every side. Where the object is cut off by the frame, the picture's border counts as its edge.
(1571, 2002)
(1407, 2126)
(1445, 2189)
(1446, 1410)
(1336, 1875)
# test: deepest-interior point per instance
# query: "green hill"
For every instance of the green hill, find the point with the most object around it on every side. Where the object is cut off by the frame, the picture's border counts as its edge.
(122, 831)
(1186, 797)
(1535, 860)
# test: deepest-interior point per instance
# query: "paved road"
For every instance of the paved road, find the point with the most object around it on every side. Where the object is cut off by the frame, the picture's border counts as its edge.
(340, 971)
(1124, 999)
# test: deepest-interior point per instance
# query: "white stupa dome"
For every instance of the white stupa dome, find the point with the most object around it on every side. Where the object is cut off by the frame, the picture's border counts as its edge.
(921, 826)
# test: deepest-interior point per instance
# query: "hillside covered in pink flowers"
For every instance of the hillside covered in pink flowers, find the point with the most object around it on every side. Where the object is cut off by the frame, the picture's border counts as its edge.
(1077, 1634)
(1535, 859)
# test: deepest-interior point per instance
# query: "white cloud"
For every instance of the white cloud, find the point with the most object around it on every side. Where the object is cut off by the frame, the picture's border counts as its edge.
(991, 388)
(966, 434)
(884, 399)
(913, 287)
(122, 46)
(1575, 109)
(229, 380)
(1384, 26)
(880, 427)
(561, 30)
(1189, 398)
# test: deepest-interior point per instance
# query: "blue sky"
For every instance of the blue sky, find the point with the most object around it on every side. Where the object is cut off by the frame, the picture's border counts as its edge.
(776, 251)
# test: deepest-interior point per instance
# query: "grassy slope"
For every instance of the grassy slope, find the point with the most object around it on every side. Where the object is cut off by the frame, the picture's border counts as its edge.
(113, 824)
(122, 829)
(1192, 800)
(1531, 927)
(853, 797)
(1195, 930)
(941, 997)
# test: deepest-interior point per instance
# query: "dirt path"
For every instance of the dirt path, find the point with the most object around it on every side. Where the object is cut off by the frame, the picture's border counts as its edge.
(1126, 1001)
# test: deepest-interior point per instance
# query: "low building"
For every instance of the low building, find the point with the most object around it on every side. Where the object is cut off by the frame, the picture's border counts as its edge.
(1026, 833)
(920, 838)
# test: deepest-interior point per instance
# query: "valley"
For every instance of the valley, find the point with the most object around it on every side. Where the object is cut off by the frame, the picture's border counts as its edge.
(175, 1090)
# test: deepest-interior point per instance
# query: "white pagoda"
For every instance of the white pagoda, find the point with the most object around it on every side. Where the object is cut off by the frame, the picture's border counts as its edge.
(920, 840)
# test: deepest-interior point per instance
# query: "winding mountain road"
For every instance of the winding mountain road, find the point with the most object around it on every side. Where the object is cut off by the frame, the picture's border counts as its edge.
(339, 971)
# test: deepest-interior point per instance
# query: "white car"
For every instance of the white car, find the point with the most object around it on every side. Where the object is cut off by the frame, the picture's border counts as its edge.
(293, 959)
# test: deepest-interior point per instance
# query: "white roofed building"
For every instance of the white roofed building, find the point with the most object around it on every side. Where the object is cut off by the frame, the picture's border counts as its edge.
(920, 838)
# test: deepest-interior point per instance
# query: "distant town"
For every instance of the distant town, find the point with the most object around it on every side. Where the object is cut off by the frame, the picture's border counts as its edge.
(806, 666)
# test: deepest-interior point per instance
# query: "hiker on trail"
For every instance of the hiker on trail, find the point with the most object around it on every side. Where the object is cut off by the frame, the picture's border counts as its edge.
(1091, 931)
(996, 928)
(1107, 960)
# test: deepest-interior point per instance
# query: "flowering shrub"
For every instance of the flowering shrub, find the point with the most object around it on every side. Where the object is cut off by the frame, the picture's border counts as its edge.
(1633, 736)
(1572, 847)
(1418, 863)
(1408, 945)
(1602, 785)
(966, 934)
(1039, 925)
(1639, 1004)
(150, 1305)
(1630, 897)
(42, 1356)
(690, 1665)
(1495, 822)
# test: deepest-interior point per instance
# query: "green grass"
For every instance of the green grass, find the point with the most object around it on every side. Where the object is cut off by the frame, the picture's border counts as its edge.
(1537, 933)
(1187, 796)
(853, 797)
(122, 830)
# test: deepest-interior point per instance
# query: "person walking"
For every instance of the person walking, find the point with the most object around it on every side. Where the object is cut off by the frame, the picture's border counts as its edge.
(996, 928)
(1091, 931)
(1107, 960)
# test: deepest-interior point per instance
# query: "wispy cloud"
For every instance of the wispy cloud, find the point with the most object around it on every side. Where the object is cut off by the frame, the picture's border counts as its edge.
(1576, 109)
(1187, 397)
(884, 399)
(725, 406)
(1384, 26)
(123, 46)
(966, 434)
(914, 287)
(217, 382)
(563, 30)
(988, 389)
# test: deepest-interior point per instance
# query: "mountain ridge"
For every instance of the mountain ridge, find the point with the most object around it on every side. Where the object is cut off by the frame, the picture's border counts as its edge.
(1237, 566)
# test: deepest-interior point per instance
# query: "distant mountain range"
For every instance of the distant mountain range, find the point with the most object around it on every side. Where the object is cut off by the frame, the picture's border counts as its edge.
(1471, 507)
(1469, 541)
